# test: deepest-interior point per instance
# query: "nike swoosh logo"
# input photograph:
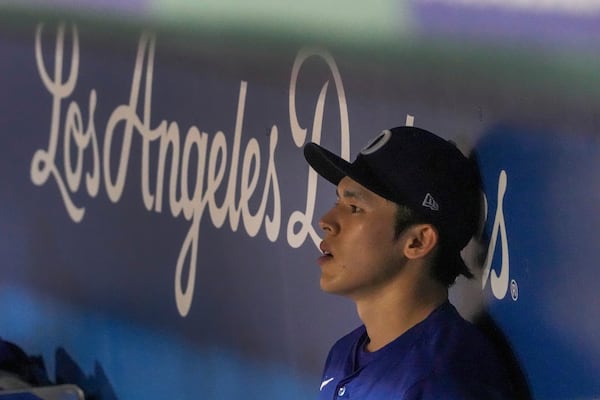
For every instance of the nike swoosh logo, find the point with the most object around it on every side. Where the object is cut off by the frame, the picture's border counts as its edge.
(325, 382)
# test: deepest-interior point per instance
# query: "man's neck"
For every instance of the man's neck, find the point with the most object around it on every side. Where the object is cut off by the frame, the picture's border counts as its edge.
(388, 315)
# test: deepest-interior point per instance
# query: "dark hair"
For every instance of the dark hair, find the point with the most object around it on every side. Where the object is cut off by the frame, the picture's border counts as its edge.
(445, 266)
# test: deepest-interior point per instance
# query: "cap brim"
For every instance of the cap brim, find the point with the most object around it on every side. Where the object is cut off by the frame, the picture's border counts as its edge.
(333, 168)
(328, 165)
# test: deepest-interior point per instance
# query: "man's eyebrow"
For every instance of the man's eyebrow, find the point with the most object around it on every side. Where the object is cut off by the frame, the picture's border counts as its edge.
(351, 194)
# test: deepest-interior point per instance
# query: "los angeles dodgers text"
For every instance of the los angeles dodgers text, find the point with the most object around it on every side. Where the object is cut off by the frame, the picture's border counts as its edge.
(211, 151)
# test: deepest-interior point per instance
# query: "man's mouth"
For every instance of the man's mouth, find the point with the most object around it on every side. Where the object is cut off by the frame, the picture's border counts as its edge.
(325, 253)
(325, 249)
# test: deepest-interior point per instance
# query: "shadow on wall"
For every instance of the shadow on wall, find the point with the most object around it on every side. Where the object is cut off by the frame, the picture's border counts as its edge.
(18, 370)
(486, 324)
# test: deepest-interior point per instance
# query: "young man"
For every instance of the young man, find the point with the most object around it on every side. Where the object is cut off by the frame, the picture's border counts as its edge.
(405, 209)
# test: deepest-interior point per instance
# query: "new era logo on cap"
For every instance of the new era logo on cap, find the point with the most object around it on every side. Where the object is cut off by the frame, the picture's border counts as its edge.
(430, 203)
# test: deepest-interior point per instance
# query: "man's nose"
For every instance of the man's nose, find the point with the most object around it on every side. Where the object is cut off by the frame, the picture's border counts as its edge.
(328, 222)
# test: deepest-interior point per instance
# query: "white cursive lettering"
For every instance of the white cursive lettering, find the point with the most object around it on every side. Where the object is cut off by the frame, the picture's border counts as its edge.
(190, 189)
(498, 283)
(304, 218)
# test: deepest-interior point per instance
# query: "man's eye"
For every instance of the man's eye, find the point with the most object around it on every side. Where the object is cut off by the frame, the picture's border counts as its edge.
(354, 208)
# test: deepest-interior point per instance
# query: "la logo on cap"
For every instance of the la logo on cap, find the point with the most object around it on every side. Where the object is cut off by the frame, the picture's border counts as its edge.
(377, 143)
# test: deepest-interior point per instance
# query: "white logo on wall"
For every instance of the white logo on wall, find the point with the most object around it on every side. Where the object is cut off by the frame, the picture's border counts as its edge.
(166, 152)
(499, 281)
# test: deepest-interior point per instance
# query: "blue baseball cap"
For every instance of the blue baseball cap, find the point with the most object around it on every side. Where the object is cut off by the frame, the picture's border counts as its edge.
(417, 169)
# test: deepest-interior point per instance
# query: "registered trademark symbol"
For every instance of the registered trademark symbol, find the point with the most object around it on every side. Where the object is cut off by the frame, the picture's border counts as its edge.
(514, 290)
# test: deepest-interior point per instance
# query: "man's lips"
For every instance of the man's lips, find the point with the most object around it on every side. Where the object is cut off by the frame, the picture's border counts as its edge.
(324, 247)
(327, 255)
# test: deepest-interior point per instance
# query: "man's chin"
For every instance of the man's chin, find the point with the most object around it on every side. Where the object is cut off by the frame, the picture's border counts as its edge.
(330, 287)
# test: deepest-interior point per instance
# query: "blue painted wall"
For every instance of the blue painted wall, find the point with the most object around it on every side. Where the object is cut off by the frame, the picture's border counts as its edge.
(159, 224)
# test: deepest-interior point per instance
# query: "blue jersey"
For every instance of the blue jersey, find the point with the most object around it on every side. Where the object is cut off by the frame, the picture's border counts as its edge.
(442, 357)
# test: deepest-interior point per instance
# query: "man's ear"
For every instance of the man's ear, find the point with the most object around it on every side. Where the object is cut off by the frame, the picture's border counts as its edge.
(420, 241)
